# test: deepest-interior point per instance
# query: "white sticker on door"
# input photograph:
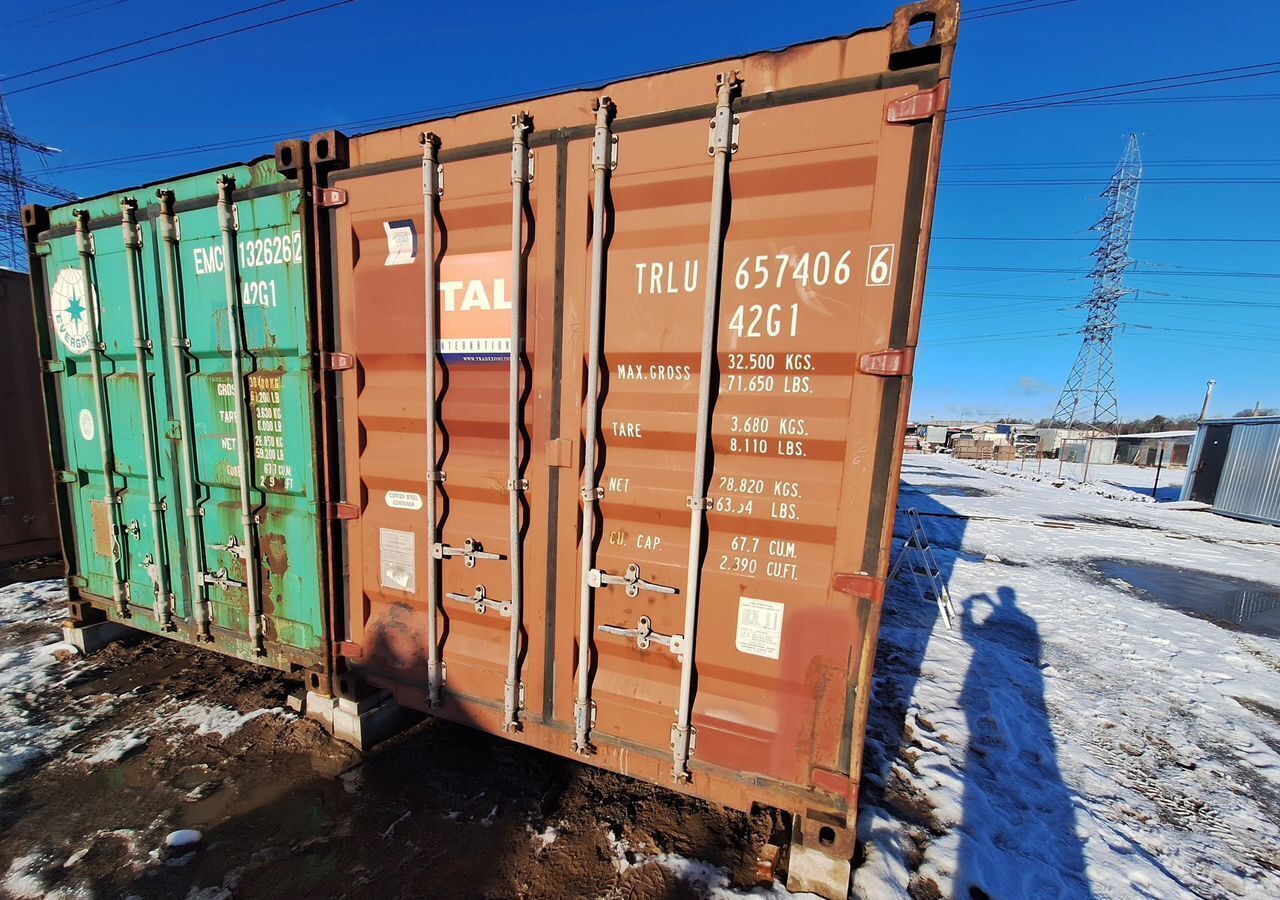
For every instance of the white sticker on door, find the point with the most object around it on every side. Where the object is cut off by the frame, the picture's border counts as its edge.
(86, 424)
(396, 560)
(404, 500)
(402, 242)
(759, 627)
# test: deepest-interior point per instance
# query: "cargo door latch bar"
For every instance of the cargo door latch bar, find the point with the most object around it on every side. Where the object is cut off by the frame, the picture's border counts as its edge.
(221, 579)
(482, 602)
(645, 635)
(634, 584)
(470, 551)
(233, 547)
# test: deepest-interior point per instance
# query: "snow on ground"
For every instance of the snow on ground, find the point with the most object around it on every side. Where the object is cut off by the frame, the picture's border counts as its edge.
(712, 882)
(1078, 734)
(1119, 482)
(219, 720)
(35, 720)
(29, 669)
(177, 722)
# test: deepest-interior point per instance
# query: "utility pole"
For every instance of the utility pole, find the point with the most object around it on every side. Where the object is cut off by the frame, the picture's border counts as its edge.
(1089, 396)
(13, 188)
(1208, 396)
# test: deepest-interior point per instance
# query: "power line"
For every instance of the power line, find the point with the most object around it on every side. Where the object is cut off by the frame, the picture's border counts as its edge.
(1113, 87)
(58, 15)
(997, 9)
(141, 40)
(194, 43)
(1033, 270)
(1193, 79)
(1200, 345)
(1074, 238)
(1063, 182)
(1080, 164)
(1167, 299)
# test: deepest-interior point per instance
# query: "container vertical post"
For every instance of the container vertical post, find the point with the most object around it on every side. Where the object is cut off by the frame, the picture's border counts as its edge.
(602, 160)
(158, 567)
(88, 268)
(723, 146)
(248, 548)
(179, 345)
(516, 485)
(431, 192)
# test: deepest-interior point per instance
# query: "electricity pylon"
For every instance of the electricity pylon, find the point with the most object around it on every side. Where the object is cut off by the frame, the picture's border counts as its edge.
(13, 188)
(1089, 397)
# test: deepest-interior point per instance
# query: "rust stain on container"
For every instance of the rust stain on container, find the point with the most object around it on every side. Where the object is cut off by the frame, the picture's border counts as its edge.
(715, 634)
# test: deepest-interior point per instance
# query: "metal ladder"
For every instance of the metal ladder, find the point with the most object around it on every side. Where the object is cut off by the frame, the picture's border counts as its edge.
(924, 568)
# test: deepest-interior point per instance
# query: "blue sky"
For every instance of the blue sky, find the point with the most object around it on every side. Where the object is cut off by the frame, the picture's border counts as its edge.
(994, 342)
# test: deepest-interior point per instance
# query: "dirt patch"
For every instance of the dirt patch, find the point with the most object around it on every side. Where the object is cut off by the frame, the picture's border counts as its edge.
(36, 568)
(1266, 711)
(284, 811)
(942, 489)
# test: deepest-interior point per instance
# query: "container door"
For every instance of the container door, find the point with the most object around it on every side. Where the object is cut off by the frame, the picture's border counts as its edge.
(268, 326)
(815, 237)
(382, 303)
(104, 316)
(151, 447)
(1212, 460)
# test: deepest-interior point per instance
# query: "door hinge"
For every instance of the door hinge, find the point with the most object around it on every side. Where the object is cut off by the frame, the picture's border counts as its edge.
(66, 477)
(859, 584)
(341, 511)
(888, 363)
(559, 452)
(53, 365)
(349, 650)
(329, 198)
(918, 106)
(337, 362)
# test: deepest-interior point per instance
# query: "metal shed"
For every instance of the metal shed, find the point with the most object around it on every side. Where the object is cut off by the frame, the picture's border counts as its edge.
(1235, 468)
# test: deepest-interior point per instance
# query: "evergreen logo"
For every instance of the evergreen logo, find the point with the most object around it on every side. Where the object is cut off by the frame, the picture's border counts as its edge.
(70, 302)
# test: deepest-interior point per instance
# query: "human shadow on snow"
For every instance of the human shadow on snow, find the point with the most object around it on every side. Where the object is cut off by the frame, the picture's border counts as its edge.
(1013, 795)
(1018, 831)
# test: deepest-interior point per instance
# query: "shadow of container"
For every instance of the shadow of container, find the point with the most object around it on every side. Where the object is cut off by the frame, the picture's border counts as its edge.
(905, 631)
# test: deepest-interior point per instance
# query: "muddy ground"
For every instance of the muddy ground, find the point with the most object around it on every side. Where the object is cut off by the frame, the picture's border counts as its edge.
(286, 812)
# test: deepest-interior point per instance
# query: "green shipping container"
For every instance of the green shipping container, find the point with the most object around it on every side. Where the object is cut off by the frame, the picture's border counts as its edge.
(177, 327)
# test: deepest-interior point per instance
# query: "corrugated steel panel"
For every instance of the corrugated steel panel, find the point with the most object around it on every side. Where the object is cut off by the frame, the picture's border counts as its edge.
(1193, 463)
(729, 626)
(1250, 485)
(180, 322)
(28, 517)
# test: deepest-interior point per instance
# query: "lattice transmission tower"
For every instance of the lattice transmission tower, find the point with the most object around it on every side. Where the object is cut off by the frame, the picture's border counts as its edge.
(13, 188)
(1089, 396)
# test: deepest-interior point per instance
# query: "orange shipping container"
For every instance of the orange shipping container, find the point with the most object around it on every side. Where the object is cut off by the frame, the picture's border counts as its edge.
(619, 383)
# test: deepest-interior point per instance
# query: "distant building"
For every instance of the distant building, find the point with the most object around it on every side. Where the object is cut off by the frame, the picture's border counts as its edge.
(1098, 450)
(1051, 439)
(1166, 448)
(1235, 468)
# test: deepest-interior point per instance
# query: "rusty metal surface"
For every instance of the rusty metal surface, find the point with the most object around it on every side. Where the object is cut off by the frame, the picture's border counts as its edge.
(831, 183)
(28, 517)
